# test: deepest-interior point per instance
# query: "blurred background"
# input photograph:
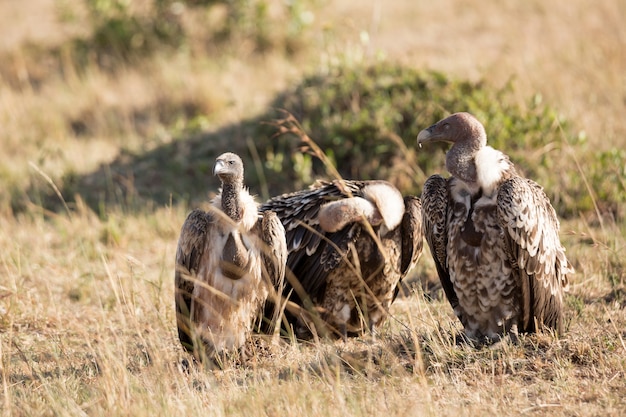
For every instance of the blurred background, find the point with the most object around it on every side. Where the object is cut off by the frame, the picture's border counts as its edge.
(126, 103)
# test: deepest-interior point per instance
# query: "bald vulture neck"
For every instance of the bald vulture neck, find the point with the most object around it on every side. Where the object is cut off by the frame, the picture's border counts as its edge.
(461, 159)
(231, 200)
(235, 256)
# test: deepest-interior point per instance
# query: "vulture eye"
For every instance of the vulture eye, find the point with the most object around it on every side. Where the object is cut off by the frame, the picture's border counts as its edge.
(446, 126)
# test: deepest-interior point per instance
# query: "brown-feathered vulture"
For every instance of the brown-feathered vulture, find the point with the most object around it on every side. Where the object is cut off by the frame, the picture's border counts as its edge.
(350, 244)
(228, 260)
(494, 237)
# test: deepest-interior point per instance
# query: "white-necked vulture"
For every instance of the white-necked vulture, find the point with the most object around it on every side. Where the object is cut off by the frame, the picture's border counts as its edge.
(494, 237)
(350, 244)
(228, 260)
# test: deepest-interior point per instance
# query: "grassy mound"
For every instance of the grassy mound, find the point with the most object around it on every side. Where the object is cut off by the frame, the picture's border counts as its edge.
(365, 119)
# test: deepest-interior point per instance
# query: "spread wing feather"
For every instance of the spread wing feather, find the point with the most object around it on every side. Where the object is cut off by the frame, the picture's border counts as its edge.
(321, 262)
(313, 252)
(191, 246)
(531, 239)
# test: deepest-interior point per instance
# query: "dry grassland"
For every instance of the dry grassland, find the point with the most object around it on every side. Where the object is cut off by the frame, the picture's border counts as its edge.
(86, 299)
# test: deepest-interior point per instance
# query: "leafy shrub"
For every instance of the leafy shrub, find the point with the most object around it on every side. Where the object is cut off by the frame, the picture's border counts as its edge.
(367, 121)
(120, 34)
(607, 176)
(254, 22)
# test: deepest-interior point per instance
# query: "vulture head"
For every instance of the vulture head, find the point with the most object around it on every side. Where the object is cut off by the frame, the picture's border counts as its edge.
(459, 128)
(467, 136)
(229, 168)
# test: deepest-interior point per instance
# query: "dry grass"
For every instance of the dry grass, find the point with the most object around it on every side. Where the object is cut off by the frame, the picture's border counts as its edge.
(86, 301)
(571, 53)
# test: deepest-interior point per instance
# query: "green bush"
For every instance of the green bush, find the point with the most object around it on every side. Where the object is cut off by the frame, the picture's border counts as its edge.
(121, 35)
(607, 176)
(367, 121)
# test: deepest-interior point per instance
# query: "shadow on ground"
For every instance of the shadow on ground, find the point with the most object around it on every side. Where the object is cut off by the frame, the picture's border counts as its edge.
(365, 120)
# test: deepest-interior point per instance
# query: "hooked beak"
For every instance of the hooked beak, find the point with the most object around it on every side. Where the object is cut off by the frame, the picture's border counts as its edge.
(219, 167)
(425, 136)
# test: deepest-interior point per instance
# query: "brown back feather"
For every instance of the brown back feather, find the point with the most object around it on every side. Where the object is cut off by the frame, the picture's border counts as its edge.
(191, 246)
(531, 237)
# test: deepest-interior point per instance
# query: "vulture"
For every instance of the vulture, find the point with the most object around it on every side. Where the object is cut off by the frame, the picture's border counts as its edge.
(350, 244)
(494, 237)
(229, 260)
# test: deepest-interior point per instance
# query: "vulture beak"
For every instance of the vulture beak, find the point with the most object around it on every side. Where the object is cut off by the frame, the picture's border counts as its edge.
(219, 167)
(425, 136)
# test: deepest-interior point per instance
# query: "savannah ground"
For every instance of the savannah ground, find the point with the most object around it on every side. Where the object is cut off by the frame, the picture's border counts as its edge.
(86, 291)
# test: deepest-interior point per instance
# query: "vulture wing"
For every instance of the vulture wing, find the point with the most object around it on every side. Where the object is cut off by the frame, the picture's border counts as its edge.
(324, 228)
(435, 222)
(313, 252)
(412, 233)
(191, 246)
(274, 251)
(274, 258)
(412, 236)
(531, 240)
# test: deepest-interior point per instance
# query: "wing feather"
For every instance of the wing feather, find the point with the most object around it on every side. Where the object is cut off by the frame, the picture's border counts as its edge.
(191, 246)
(318, 258)
(274, 251)
(435, 223)
(274, 258)
(313, 252)
(412, 237)
(531, 237)
(412, 234)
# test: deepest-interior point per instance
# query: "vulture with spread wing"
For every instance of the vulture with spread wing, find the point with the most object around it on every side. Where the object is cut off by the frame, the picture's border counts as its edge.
(494, 237)
(350, 244)
(229, 259)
